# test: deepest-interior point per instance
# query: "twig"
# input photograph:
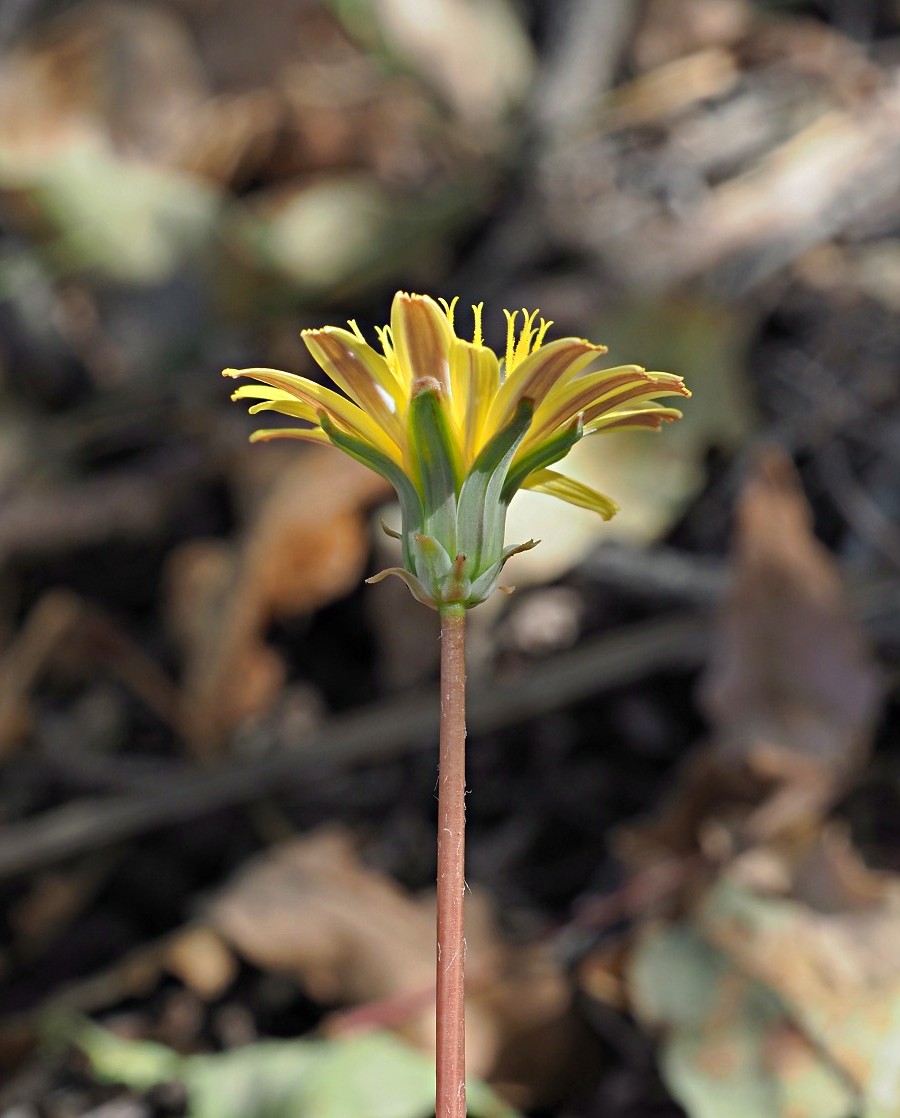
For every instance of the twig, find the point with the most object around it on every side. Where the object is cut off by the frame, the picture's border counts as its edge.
(384, 730)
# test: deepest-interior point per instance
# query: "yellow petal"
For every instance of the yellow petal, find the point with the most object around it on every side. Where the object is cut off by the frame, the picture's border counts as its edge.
(361, 372)
(474, 380)
(296, 408)
(341, 409)
(633, 395)
(571, 491)
(567, 400)
(421, 337)
(274, 399)
(553, 364)
(306, 434)
(260, 392)
(633, 419)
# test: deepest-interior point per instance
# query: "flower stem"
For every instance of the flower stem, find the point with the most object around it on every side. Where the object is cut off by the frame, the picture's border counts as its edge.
(451, 944)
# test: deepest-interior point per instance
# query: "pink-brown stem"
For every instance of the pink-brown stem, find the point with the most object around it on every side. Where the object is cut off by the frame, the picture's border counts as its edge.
(451, 944)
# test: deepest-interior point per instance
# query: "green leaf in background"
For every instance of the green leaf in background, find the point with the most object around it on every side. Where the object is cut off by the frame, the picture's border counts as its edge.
(836, 972)
(342, 233)
(132, 221)
(475, 54)
(369, 1076)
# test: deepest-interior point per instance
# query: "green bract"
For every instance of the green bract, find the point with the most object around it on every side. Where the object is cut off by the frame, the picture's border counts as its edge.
(453, 536)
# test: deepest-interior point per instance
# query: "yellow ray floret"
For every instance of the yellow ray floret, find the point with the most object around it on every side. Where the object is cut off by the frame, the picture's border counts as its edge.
(481, 394)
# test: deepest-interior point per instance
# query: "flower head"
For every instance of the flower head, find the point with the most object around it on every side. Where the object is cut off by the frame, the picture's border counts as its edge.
(458, 430)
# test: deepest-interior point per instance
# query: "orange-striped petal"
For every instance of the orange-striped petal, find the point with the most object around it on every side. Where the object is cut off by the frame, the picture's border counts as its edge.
(318, 396)
(551, 365)
(421, 338)
(361, 372)
(306, 434)
(633, 394)
(566, 400)
(636, 419)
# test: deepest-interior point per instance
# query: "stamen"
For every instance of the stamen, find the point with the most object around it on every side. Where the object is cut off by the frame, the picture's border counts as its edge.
(387, 342)
(546, 323)
(510, 340)
(449, 309)
(523, 348)
(477, 338)
(351, 322)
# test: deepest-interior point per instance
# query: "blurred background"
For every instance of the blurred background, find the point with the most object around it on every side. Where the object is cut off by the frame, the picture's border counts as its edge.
(218, 748)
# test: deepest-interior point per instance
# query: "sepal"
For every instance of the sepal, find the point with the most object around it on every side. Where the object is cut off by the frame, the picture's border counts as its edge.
(481, 517)
(415, 587)
(487, 582)
(410, 502)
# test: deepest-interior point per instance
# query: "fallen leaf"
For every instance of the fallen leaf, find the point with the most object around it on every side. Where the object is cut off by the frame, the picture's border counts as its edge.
(348, 934)
(202, 961)
(837, 972)
(373, 1076)
(729, 1047)
(791, 690)
(477, 56)
(780, 994)
(305, 544)
(790, 680)
(352, 937)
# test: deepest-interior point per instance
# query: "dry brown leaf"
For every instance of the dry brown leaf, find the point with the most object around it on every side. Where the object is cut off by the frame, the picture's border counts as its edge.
(305, 545)
(782, 982)
(674, 28)
(833, 963)
(779, 993)
(829, 876)
(61, 630)
(348, 934)
(790, 686)
(791, 690)
(51, 621)
(108, 73)
(352, 937)
(202, 961)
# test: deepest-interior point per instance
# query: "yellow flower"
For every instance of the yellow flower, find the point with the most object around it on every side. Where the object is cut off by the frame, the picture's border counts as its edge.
(457, 430)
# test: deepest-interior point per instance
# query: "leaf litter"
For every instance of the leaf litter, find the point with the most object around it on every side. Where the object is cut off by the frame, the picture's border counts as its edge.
(306, 543)
(772, 983)
(738, 875)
